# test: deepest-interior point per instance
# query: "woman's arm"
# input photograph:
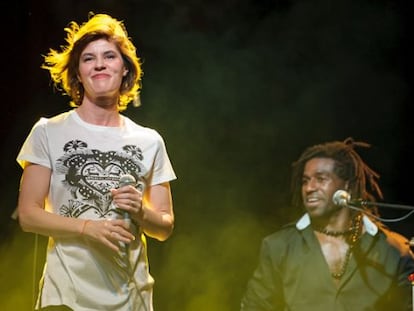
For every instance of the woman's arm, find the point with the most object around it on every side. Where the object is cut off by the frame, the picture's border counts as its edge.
(33, 217)
(154, 212)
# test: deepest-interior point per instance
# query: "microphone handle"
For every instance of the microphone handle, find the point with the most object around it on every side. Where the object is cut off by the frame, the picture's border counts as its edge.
(127, 218)
(127, 180)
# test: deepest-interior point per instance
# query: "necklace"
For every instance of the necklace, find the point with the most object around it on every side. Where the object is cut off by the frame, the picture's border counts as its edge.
(355, 232)
(341, 272)
(333, 233)
(351, 235)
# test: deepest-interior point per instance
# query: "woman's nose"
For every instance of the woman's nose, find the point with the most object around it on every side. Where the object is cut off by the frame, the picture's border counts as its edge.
(100, 63)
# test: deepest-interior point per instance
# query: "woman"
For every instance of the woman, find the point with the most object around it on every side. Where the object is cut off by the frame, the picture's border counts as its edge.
(72, 165)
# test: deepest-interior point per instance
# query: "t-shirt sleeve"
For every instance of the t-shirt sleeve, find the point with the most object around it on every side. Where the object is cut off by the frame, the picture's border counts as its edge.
(162, 167)
(35, 147)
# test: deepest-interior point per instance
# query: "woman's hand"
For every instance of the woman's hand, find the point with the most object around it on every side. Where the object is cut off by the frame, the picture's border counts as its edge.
(155, 217)
(129, 199)
(110, 232)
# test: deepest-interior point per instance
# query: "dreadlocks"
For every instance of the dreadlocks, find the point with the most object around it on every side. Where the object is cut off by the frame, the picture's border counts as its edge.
(349, 166)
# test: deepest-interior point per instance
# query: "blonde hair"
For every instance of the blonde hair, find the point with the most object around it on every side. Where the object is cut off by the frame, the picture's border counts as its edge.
(63, 66)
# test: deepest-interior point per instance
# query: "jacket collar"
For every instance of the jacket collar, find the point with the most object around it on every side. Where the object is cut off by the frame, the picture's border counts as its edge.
(369, 226)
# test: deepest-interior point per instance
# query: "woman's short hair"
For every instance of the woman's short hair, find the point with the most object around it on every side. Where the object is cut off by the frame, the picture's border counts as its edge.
(63, 65)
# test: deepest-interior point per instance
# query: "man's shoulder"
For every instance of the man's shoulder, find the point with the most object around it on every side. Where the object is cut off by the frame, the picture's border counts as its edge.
(284, 233)
(395, 239)
(280, 242)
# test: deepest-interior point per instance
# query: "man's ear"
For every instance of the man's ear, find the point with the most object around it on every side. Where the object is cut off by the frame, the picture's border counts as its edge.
(346, 186)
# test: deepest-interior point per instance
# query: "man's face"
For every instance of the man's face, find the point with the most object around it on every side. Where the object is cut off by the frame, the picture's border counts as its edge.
(319, 183)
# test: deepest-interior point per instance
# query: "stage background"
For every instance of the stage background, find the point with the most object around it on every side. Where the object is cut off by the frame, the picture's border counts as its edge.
(237, 89)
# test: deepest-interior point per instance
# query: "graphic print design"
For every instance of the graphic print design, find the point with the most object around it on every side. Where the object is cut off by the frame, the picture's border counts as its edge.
(90, 174)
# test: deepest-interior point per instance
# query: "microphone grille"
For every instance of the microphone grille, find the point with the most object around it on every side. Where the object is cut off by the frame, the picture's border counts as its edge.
(341, 198)
(127, 179)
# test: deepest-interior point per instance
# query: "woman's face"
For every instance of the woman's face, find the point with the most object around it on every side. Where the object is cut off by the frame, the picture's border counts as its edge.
(101, 69)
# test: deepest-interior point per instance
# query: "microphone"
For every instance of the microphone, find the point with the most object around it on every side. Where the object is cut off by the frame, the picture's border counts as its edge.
(126, 180)
(341, 198)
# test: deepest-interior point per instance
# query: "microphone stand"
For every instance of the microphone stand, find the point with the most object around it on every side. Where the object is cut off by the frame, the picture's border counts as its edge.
(411, 279)
(368, 203)
(389, 205)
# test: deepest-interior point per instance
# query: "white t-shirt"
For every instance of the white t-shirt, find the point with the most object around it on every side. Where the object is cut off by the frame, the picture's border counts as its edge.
(86, 162)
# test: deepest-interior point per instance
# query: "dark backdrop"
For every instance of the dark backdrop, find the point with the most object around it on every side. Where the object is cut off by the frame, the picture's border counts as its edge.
(237, 89)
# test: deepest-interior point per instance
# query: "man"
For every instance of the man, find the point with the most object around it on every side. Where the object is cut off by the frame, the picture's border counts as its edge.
(334, 258)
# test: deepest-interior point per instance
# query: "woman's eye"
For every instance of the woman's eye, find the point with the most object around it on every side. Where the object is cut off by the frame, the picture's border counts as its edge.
(110, 56)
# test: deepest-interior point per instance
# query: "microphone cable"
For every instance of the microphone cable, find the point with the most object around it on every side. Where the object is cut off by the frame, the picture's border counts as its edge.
(380, 218)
